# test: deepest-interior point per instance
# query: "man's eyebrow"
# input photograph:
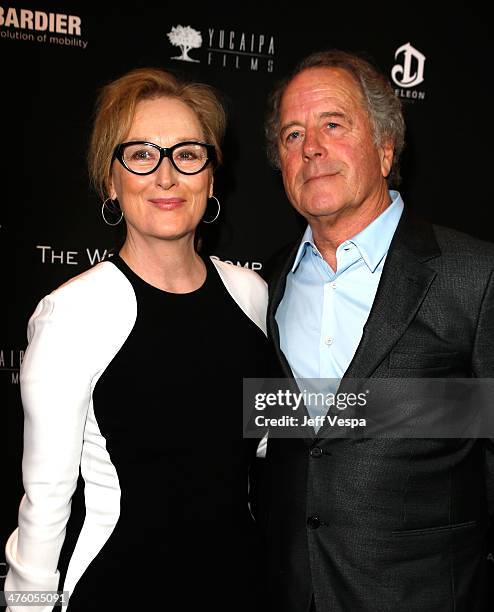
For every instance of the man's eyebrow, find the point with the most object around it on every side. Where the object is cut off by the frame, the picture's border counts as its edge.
(287, 126)
(333, 114)
(324, 115)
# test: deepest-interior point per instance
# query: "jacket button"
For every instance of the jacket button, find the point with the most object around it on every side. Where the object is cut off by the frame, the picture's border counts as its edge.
(313, 522)
(316, 451)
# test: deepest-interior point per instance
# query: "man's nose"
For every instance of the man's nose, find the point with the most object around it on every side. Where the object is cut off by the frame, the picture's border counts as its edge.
(313, 146)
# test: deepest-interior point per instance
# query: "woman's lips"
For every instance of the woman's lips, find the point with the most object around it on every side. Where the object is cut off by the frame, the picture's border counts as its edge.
(167, 203)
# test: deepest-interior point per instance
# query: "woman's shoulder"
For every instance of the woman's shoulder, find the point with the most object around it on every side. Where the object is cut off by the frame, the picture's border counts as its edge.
(247, 288)
(104, 276)
(101, 290)
(83, 323)
(239, 275)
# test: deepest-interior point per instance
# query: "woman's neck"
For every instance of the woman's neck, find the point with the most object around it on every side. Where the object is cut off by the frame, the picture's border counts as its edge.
(170, 265)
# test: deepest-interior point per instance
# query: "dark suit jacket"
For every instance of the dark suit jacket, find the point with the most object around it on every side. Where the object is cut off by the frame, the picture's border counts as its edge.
(391, 525)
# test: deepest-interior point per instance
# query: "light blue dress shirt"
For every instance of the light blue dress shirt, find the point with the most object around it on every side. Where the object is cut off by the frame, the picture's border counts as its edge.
(322, 313)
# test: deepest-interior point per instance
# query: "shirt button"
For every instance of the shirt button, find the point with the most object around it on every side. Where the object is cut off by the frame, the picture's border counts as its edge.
(316, 452)
(333, 285)
(313, 522)
(329, 341)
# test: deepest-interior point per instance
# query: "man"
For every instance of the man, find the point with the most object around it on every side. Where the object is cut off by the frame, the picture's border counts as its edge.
(377, 525)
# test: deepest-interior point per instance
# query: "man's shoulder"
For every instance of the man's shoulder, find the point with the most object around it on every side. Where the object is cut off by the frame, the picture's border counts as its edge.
(457, 244)
(455, 248)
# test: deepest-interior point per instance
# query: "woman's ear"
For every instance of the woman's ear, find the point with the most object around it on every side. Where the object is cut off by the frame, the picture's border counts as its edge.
(110, 188)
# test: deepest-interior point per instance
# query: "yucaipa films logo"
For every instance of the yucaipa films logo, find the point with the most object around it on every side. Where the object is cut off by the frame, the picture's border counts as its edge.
(409, 73)
(186, 38)
(253, 52)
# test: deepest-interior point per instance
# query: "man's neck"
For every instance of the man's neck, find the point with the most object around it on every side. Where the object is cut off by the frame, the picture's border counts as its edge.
(330, 231)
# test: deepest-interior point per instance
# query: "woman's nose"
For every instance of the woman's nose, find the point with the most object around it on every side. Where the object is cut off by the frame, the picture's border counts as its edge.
(166, 175)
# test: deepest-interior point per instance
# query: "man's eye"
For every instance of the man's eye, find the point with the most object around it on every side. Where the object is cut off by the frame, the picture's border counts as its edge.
(293, 136)
(332, 125)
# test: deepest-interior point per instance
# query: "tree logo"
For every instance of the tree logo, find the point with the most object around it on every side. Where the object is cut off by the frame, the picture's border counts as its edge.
(186, 38)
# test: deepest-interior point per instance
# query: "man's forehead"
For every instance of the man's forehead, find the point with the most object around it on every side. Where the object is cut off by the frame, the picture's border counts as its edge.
(322, 76)
(315, 87)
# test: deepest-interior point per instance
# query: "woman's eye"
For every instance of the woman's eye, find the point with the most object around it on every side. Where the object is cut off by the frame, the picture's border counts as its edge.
(141, 155)
(187, 155)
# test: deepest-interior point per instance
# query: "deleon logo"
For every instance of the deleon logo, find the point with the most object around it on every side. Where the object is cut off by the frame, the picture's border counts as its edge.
(410, 72)
(186, 38)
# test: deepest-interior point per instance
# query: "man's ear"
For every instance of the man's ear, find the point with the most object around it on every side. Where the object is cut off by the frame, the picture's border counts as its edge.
(386, 154)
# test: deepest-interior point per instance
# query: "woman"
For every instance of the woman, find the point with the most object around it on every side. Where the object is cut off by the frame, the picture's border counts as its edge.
(134, 467)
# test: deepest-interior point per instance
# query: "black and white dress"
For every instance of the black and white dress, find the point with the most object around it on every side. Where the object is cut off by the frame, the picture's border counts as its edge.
(134, 466)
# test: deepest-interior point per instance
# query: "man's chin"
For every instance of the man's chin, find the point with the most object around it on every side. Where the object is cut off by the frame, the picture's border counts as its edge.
(322, 209)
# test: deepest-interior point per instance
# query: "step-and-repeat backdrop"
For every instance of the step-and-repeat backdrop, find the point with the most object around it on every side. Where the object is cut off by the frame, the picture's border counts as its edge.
(55, 57)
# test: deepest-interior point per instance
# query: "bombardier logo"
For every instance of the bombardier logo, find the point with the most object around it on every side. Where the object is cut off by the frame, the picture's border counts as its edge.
(42, 27)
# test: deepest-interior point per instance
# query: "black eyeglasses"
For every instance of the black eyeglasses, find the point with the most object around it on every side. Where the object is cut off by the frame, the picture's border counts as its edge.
(141, 157)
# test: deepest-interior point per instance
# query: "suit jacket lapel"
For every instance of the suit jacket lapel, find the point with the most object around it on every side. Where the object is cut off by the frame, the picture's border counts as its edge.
(404, 284)
(276, 292)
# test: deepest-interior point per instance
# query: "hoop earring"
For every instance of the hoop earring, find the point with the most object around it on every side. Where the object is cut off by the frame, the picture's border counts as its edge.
(103, 206)
(217, 214)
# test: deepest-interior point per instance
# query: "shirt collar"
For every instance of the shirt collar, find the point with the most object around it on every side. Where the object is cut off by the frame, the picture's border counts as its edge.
(306, 242)
(372, 242)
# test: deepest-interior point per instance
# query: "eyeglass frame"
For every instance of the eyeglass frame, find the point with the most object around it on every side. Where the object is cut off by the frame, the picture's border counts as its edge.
(164, 152)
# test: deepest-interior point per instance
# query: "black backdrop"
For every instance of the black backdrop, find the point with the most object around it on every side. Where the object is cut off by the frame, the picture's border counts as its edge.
(55, 57)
